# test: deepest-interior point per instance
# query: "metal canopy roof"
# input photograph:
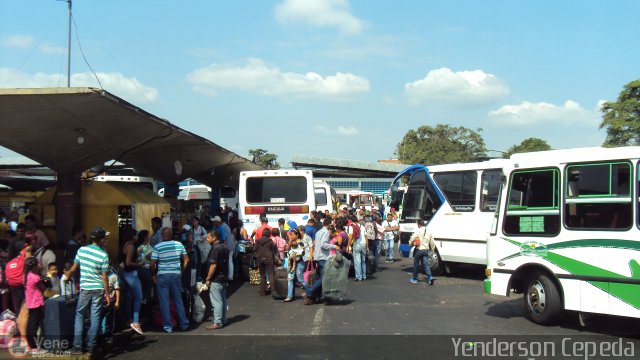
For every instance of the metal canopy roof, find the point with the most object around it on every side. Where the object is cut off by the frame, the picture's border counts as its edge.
(345, 168)
(44, 125)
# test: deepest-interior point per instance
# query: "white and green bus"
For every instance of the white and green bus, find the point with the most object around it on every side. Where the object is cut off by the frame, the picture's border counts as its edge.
(567, 233)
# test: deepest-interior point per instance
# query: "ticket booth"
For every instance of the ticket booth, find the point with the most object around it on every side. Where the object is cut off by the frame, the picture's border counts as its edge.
(113, 205)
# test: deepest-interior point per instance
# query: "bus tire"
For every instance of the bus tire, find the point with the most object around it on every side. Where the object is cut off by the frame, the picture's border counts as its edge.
(542, 299)
(436, 264)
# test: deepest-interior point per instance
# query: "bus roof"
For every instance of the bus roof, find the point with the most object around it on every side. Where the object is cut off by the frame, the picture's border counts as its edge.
(279, 172)
(545, 158)
(480, 165)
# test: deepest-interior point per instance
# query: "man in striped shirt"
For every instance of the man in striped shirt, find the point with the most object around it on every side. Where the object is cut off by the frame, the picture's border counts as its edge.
(94, 267)
(166, 258)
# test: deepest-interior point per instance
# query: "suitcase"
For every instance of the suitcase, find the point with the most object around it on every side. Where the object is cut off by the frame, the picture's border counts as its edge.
(279, 287)
(245, 269)
(59, 319)
(371, 269)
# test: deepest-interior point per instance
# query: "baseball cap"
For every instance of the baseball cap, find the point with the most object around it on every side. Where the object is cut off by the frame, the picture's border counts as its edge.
(98, 233)
(216, 219)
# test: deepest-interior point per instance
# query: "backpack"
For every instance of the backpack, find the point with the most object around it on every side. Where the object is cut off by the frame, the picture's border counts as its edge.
(14, 270)
(370, 230)
(355, 228)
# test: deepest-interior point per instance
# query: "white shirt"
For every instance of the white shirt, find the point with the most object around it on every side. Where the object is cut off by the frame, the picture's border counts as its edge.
(388, 235)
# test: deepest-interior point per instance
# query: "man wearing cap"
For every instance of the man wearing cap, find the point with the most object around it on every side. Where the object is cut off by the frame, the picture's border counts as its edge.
(224, 234)
(166, 260)
(94, 267)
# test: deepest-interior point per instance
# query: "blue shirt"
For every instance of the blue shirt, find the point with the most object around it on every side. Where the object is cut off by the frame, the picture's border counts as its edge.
(311, 231)
(168, 255)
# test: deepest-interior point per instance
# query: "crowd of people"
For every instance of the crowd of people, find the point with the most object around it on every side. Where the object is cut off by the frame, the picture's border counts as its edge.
(152, 269)
(157, 269)
(360, 235)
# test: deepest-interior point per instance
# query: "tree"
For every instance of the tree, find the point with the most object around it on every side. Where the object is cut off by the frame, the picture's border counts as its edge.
(441, 144)
(622, 118)
(527, 145)
(264, 158)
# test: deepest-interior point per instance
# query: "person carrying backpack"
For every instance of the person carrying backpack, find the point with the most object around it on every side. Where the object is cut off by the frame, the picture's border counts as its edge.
(372, 248)
(14, 272)
(359, 248)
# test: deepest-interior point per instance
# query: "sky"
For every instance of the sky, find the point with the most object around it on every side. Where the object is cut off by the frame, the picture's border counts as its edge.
(337, 78)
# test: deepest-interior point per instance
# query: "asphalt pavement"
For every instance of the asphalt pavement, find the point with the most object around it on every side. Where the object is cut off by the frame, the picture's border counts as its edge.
(384, 317)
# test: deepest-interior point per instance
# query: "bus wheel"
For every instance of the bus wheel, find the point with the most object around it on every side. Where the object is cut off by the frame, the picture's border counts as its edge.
(436, 264)
(542, 299)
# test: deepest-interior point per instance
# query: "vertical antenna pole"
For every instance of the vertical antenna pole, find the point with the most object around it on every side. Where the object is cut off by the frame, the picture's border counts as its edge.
(69, 48)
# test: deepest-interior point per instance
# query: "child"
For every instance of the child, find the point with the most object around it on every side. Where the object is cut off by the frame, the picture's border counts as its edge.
(295, 256)
(336, 239)
(280, 243)
(109, 311)
(53, 286)
(67, 285)
(34, 299)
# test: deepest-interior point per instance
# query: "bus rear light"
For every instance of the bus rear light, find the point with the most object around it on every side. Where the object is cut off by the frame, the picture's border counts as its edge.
(299, 209)
(253, 210)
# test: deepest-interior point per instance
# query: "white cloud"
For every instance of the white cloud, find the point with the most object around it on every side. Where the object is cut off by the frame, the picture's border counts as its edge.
(340, 130)
(463, 88)
(529, 114)
(17, 41)
(258, 77)
(51, 49)
(129, 89)
(320, 13)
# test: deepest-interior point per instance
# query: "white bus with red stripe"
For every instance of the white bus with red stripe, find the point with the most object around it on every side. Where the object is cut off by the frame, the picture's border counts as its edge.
(287, 194)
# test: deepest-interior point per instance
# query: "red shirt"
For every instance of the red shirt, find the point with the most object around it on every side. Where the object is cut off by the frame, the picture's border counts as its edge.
(261, 229)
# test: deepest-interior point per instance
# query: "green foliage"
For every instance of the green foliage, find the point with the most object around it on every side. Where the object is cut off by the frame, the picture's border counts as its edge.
(527, 145)
(441, 144)
(621, 118)
(264, 158)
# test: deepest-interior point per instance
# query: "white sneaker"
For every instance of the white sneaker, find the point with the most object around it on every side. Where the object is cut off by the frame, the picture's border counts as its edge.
(136, 327)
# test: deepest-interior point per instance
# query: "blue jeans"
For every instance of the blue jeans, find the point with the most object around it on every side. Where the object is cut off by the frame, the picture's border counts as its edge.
(314, 291)
(170, 288)
(301, 267)
(291, 290)
(134, 295)
(360, 262)
(90, 300)
(231, 269)
(108, 320)
(374, 250)
(218, 295)
(389, 244)
(421, 256)
(144, 274)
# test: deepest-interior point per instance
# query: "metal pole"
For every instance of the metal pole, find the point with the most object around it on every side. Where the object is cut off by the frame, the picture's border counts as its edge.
(69, 48)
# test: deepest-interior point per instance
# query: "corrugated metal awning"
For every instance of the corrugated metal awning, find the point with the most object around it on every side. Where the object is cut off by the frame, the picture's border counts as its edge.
(44, 125)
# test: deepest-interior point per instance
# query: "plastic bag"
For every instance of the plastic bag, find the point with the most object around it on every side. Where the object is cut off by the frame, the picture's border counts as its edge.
(198, 309)
(7, 315)
(334, 278)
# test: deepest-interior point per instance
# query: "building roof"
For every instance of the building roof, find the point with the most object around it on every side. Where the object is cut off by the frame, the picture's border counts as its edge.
(45, 125)
(346, 168)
